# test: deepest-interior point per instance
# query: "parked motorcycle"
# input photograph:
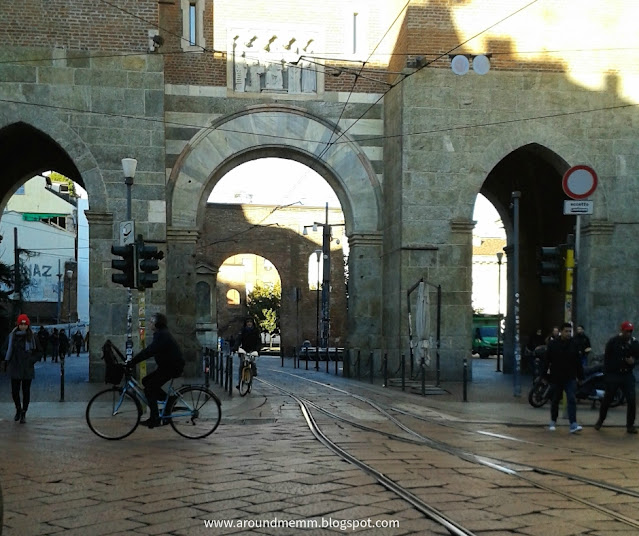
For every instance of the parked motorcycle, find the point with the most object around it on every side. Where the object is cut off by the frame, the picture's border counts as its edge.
(592, 387)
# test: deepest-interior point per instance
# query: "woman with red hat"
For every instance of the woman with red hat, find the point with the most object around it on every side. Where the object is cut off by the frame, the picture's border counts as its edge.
(21, 354)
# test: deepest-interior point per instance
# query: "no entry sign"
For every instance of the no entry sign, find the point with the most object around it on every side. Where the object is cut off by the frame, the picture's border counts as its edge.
(579, 182)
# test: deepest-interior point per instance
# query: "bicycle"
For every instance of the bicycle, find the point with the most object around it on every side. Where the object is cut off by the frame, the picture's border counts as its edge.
(193, 411)
(248, 370)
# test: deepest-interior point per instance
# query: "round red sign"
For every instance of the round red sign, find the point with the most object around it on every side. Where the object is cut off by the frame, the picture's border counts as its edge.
(579, 182)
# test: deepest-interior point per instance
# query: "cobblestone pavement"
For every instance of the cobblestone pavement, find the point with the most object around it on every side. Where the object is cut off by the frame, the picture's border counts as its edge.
(263, 465)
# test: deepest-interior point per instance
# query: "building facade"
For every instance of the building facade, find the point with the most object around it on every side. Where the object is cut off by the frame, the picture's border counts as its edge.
(363, 93)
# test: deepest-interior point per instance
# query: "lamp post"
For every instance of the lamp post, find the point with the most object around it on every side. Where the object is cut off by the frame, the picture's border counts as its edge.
(326, 271)
(69, 274)
(129, 166)
(318, 254)
(499, 257)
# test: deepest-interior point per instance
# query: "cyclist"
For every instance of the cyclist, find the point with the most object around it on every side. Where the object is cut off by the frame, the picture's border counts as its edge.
(249, 340)
(170, 364)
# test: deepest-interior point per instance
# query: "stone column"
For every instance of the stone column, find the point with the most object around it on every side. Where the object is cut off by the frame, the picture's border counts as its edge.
(181, 279)
(365, 293)
(107, 301)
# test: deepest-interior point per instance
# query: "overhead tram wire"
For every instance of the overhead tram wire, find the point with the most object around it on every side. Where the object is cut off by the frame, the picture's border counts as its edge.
(433, 61)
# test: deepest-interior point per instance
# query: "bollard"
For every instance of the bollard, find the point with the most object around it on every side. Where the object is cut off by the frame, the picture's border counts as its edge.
(359, 365)
(225, 375)
(206, 366)
(403, 366)
(336, 362)
(317, 358)
(371, 367)
(327, 359)
(465, 379)
(62, 378)
(306, 352)
(229, 368)
(295, 361)
(346, 369)
(422, 365)
(385, 365)
(220, 369)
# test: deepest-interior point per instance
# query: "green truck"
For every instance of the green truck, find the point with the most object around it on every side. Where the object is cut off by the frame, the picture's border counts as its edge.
(485, 335)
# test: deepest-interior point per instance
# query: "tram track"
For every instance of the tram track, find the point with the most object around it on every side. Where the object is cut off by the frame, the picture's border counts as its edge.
(524, 472)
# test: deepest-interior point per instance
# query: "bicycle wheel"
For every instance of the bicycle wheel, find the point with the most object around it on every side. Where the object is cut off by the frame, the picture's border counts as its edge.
(245, 382)
(112, 414)
(196, 412)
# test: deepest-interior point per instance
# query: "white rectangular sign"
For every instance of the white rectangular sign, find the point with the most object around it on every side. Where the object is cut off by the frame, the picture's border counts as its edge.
(127, 233)
(574, 206)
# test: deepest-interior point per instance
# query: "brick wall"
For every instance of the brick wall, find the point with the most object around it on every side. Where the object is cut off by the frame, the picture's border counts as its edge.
(78, 24)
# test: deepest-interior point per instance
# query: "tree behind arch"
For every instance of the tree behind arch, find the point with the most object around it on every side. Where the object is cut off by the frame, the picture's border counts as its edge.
(263, 304)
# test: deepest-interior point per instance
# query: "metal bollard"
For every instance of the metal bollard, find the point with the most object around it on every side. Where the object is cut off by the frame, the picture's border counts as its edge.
(306, 352)
(403, 365)
(229, 369)
(317, 358)
(336, 362)
(206, 366)
(359, 365)
(385, 365)
(422, 366)
(295, 361)
(371, 368)
(62, 378)
(465, 379)
(346, 369)
(327, 358)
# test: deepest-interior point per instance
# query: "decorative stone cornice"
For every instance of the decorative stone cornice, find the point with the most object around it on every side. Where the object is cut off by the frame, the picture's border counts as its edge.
(598, 227)
(181, 235)
(95, 217)
(369, 239)
(462, 226)
(205, 269)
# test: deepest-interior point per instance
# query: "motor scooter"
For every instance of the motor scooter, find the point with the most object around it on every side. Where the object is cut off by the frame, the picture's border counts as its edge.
(592, 387)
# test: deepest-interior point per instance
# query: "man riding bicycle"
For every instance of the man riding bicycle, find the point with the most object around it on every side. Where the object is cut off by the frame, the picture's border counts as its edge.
(249, 341)
(170, 364)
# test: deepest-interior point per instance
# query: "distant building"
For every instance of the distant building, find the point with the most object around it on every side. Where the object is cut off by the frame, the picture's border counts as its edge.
(44, 218)
(486, 295)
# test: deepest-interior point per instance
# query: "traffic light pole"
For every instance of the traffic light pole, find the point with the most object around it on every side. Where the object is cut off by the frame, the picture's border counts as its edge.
(517, 351)
(129, 292)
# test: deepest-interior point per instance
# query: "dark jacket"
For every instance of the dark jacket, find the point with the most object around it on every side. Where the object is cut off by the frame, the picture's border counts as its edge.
(249, 339)
(564, 362)
(583, 342)
(617, 350)
(21, 351)
(166, 351)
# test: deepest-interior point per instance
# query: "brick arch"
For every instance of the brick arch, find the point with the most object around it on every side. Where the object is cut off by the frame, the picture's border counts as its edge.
(69, 143)
(279, 131)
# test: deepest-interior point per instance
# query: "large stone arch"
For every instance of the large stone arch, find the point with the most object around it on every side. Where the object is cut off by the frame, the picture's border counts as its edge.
(69, 141)
(286, 132)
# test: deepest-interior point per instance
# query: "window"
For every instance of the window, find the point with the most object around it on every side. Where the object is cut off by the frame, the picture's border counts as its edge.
(355, 38)
(315, 267)
(232, 297)
(193, 25)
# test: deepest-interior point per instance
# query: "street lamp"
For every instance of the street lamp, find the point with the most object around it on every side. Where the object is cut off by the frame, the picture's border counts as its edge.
(69, 275)
(129, 166)
(326, 271)
(318, 254)
(499, 257)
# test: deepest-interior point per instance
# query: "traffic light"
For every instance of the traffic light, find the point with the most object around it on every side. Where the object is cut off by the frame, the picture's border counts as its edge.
(126, 265)
(148, 257)
(550, 266)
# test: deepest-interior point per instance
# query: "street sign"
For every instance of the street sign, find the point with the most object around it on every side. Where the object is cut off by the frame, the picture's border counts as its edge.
(579, 182)
(127, 233)
(575, 207)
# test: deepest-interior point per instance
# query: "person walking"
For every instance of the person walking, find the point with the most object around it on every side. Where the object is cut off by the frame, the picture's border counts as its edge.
(21, 353)
(619, 359)
(562, 358)
(170, 364)
(55, 345)
(583, 344)
(78, 339)
(43, 339)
